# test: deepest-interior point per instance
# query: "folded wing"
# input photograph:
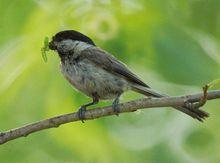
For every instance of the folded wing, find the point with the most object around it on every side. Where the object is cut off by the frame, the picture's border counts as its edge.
(111, 64)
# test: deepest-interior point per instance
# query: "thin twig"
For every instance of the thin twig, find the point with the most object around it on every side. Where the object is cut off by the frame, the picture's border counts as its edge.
(202, 100)
(104, 111)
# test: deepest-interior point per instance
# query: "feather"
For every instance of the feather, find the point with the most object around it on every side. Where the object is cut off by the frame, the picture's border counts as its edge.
(108, 62)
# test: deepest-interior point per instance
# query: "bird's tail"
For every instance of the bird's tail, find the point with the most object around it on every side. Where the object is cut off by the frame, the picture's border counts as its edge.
(194, 113)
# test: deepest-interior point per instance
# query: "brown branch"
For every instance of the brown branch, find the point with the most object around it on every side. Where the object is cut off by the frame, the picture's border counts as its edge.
(104, 111)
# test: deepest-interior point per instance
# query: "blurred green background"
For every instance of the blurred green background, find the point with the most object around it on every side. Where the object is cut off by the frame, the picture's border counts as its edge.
(173, 45)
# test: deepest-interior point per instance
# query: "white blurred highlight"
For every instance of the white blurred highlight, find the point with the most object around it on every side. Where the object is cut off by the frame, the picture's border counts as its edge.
(208, 43)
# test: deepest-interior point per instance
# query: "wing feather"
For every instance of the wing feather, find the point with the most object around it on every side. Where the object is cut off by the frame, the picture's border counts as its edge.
(111, 64)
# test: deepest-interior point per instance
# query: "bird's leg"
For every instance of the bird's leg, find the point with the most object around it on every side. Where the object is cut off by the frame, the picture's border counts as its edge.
(115, 105)
(82, 109)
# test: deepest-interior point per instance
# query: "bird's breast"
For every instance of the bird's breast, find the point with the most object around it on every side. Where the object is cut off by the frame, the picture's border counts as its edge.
(90, 79)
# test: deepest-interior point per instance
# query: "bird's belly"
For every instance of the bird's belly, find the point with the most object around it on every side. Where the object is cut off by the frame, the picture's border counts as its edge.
(91, 80)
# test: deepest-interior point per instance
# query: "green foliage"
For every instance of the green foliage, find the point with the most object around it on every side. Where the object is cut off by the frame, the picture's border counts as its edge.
(173, 46)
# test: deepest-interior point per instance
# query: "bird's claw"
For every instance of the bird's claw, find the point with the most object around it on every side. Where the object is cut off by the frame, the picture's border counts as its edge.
(116, 108)
(81, 113)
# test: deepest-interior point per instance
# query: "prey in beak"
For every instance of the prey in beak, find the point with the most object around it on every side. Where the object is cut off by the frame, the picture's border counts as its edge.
(47, 46)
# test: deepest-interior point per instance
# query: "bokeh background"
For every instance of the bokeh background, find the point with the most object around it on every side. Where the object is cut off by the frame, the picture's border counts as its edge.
(173, 45)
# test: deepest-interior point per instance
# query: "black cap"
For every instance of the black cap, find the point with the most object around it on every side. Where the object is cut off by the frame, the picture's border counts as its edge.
(73, 35)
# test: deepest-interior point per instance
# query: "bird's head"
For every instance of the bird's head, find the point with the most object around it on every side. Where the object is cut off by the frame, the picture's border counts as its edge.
(65, 41)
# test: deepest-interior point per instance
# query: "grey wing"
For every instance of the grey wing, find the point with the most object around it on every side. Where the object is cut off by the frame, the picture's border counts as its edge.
(111, 64)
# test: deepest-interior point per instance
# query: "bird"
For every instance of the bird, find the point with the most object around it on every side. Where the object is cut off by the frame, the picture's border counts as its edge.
(99, 75)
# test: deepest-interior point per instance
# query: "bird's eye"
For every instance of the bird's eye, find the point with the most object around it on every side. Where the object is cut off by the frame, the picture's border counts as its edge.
(63, 46)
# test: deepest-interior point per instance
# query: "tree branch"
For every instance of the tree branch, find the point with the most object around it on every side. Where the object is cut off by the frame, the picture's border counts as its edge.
(104, 111)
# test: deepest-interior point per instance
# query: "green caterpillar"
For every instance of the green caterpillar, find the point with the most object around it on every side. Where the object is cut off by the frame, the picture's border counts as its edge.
(45, 48)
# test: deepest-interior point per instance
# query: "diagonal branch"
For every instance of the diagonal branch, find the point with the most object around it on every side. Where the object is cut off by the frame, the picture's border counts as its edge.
(102, 112)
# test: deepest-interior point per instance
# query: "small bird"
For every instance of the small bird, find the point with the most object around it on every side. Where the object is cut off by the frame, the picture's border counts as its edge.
(99, 75)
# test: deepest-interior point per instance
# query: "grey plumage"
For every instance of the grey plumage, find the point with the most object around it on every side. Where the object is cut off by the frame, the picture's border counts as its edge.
(98, 74)
(89, 78)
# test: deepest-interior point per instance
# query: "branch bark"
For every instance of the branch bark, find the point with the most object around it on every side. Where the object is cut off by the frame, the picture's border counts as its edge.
(102, 112)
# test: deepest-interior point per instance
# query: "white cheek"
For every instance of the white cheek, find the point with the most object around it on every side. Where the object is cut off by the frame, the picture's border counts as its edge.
(65, 46)
(74, 46)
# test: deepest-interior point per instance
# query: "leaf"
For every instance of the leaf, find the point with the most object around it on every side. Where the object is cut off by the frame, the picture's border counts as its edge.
(213, 83)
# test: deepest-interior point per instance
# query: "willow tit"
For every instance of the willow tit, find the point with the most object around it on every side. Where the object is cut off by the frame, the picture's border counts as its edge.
(98, 74)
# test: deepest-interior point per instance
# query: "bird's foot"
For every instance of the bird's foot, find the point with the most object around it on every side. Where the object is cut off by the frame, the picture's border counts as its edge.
(81, 113)
(116, 108)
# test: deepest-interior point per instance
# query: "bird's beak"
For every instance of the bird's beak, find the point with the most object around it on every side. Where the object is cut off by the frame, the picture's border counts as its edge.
(52, 45)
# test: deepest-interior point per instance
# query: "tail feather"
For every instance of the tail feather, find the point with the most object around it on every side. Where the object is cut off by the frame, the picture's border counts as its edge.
(197, 113)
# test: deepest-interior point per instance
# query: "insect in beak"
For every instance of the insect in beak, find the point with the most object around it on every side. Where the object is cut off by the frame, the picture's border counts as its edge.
(47, 46)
